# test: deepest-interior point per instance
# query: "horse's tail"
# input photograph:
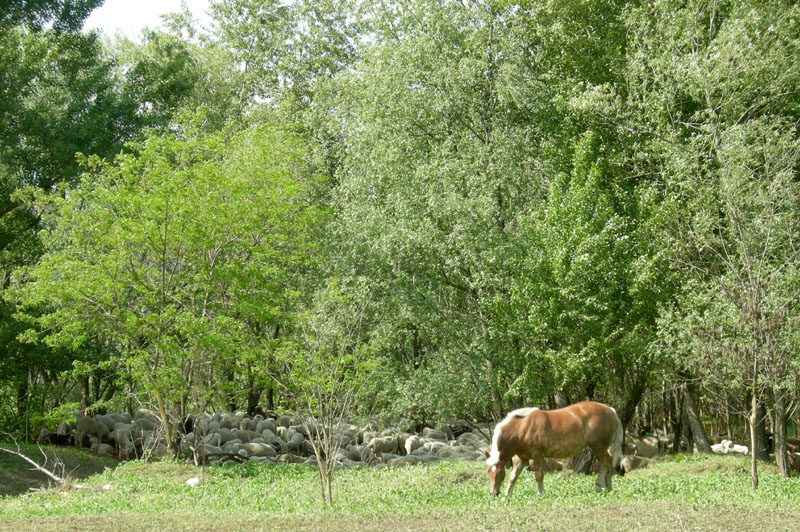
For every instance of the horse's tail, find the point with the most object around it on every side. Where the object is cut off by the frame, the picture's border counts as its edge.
(615, 447)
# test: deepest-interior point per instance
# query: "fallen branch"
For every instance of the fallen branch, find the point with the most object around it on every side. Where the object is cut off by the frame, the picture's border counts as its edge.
(61, 481)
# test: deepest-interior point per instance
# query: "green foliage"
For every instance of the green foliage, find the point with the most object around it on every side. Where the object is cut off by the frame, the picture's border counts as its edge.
(716, 84)
(63, 15)
(176, 256)
(285, 48)
(476, 204)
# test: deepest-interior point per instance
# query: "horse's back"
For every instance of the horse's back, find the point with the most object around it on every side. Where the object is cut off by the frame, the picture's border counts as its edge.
(564, 432)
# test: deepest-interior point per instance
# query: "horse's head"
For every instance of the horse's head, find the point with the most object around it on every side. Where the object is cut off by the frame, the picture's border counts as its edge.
(497, 472)
(496, 475)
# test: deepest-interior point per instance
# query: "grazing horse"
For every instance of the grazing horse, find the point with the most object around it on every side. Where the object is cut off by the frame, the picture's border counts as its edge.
(530, 434)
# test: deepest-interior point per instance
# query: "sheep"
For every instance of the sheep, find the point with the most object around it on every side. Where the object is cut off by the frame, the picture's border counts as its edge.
(295, 442)
(350, 433)
(721, 447)
(123, 440)
(246, 435)
(433, 445)
(385, 444)
(229, 422)
(259, 449)
(88, 425)
(434, 434)
(359, 453)
(274, 440)
(121, 418)
(452, 452)
(741, 449)
(248, 424)
(631, 462)
(225, 435)
(727, 446)
(647, 447)
(144, 413)
(266, 424)
(145, 423)
(102, 449)
(413, 443)
(107, 420)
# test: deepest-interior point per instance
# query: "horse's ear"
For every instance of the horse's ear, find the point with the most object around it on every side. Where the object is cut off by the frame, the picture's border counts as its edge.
(485, 453)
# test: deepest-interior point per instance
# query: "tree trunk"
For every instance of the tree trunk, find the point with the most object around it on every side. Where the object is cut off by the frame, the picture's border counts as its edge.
(753, 423)
(85, 400)
(495, 398)
(561, 399)
(686, 428)
(582, 462)
(675, 419)
(169, 434)
(728, 430)
(229, 395)
(781, 458)
(761, 448)
(698, 431)
(22, 395)
(634, 396)
(270, 398)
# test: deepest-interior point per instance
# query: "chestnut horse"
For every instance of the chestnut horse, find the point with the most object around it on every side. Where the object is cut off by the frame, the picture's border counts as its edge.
(530, 434)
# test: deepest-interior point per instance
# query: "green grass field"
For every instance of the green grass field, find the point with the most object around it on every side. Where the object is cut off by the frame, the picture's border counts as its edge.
(691, 493)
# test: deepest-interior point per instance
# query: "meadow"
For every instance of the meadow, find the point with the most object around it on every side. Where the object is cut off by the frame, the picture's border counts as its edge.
(679, 493)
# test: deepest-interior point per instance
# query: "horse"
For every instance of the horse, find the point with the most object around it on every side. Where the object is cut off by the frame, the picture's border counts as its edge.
(531, 435)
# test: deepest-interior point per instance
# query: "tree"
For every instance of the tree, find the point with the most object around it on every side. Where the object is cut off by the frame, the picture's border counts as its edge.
(593, 281)
(715, 85)
(63, 15)
(168, 253)
(328, 367)
(58, 98)
(488, 196)
(283, 48)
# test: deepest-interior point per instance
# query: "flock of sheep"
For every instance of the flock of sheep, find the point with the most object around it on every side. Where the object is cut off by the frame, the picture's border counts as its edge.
(220, 437)
(240, 437)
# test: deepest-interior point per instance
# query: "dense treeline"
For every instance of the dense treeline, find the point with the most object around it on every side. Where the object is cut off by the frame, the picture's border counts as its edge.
(456, 207)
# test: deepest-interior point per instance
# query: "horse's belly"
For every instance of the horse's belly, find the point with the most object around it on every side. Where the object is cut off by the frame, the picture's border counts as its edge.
(560, 449)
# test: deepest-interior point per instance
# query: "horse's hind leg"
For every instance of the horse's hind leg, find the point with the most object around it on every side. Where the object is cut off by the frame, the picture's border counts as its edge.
(538, 471)
(603, 481)
(609, 473)
(518, 464)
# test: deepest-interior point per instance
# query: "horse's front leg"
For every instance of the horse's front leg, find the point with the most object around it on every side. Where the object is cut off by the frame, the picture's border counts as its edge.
(517, 463)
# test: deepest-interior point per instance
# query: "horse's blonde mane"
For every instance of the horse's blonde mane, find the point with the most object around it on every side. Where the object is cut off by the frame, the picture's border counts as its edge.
(494, 454)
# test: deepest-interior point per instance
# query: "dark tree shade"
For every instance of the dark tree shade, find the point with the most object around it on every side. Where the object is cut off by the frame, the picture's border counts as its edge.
(65, 15)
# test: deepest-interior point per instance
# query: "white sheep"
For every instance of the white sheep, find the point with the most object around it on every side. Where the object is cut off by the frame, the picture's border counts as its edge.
(89, 425)
(102, 449)
(383, 445)
(632, 462)
(413, 443)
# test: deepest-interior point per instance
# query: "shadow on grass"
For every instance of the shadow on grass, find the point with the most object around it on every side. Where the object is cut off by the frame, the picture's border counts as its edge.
(18, 477)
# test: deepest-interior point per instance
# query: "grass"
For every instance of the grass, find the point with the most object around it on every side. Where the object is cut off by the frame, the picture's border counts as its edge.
(690, 493)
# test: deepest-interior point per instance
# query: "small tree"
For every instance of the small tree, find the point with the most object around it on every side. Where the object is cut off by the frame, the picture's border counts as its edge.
(326, 370)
